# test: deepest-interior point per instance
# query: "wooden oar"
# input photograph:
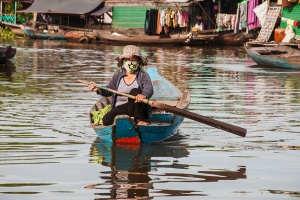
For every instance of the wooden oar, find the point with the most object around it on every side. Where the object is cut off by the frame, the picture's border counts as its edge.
(184, 113)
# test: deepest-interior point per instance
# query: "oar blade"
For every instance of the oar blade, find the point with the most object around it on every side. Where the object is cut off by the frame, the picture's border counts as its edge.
(205, 120)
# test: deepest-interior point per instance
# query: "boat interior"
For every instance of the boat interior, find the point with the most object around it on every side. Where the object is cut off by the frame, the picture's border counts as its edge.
(159, 117)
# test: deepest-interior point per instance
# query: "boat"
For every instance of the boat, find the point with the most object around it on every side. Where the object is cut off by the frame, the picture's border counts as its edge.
(108, 37)
(274, 55)
(163, 124)
(15, 28)
(52, 32)
(55, 32)
(7, 53)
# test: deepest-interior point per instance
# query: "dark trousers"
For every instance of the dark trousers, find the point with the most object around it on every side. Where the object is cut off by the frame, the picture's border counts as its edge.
(137, 110)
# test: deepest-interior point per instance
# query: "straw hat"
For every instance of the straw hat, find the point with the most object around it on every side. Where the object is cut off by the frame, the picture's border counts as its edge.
(129, 51)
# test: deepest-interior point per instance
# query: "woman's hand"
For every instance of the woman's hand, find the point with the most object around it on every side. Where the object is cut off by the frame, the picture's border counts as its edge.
(92, 87)
(139, 98)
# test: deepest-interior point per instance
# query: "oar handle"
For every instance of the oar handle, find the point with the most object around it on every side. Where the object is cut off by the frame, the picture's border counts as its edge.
(146, 101)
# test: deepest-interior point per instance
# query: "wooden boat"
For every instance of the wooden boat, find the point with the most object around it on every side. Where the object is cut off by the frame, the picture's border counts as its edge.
(274, 55)
(15, 28)
(107, 36)
(54, 32)
(21, 30)
(163, 124)
(7, 53)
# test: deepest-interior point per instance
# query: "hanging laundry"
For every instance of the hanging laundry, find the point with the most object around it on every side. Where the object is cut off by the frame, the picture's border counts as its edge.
(158, 24)
(159, 21)
(151, 21)
(225, 21)
(252, 18)
(243, 15)
(261, 12)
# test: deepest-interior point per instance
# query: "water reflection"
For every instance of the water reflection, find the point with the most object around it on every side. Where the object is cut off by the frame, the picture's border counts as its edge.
(138, 170)
(6, 70)
(130, 166)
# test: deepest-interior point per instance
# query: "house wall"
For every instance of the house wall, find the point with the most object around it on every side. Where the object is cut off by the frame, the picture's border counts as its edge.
(129, 17)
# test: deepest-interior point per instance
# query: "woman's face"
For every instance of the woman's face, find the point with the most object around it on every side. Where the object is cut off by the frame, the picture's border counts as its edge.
(131, 64)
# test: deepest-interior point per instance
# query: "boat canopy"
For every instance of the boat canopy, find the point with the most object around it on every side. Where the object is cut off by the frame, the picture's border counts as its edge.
(64, 6)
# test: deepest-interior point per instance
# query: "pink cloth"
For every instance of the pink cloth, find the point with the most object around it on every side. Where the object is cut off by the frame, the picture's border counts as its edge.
(252, 18)
(185, 16)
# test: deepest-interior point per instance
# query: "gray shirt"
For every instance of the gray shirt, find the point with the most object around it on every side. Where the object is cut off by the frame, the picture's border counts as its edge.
(123, 87)
(143, 80)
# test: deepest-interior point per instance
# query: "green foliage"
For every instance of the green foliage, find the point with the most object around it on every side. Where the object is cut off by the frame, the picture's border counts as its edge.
(23, 18)
(6, 34)
(98, 115)
(20, 17)
(9, 8)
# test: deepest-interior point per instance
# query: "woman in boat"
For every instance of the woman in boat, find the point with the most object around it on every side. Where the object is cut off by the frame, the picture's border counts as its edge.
(132, 79)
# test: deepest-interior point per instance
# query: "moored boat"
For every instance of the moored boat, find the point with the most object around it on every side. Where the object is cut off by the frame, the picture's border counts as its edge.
(54, 33)
(17, 29)
(163, 124)
(107, 36)
(274, 55)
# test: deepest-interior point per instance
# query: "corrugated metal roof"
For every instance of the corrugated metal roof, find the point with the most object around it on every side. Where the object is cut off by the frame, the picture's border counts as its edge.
(145, 2)
(64, 6)
(177, 1)
(129, 17)
(102, 10)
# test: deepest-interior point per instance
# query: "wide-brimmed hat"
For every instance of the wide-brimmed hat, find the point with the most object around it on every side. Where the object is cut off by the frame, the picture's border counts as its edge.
(132, 50)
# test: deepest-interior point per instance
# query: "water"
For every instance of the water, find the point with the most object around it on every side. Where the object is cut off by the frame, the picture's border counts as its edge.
(49, 151)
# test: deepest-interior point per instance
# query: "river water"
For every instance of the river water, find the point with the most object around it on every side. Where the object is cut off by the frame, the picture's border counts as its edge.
(49, 151)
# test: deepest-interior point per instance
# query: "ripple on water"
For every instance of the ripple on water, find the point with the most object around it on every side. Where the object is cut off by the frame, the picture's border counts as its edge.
(49, 151)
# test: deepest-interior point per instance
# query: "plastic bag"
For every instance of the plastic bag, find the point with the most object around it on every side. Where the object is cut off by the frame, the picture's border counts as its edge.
(261, 12)
(289, 34)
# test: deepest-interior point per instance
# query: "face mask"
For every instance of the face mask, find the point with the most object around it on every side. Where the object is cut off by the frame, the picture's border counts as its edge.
(131, 66)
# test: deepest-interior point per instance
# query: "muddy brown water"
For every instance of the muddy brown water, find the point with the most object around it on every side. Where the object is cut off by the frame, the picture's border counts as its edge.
(49, 151)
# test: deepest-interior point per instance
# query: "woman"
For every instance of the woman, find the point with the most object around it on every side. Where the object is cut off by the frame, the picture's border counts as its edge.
(132, 79)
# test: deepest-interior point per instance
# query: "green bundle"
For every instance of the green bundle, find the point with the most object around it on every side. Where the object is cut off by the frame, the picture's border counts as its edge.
(98, 115)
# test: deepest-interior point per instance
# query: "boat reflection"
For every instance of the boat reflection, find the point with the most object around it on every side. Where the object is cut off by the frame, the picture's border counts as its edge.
(130, 166)
(135, 169)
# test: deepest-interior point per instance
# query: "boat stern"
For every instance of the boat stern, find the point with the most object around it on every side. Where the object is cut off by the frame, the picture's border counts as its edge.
(125, 130)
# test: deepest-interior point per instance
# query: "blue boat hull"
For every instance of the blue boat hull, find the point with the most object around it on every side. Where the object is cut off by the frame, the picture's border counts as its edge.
(163, 125)
(125, 130)
(37, 35)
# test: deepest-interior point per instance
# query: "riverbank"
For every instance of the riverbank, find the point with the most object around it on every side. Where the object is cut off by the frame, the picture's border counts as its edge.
(137, 36)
